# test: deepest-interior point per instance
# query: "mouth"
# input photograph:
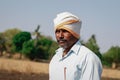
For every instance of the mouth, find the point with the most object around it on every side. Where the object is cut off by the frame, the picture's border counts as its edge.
(61, 42)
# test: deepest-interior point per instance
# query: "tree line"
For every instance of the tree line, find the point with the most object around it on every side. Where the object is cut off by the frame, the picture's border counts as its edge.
(14, 41)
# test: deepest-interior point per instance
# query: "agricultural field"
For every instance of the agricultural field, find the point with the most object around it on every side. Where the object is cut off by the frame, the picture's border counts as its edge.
(12, 69)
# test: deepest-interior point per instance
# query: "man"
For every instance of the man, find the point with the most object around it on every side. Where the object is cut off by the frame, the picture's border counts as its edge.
(72, 60)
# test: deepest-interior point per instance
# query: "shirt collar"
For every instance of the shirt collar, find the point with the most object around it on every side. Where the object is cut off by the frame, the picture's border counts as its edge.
(75, 49)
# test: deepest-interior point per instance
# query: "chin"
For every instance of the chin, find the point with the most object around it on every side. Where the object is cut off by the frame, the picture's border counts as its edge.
(64, 47)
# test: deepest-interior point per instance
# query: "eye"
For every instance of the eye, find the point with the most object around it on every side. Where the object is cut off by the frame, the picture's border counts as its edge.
(64, 30)
(57, 31)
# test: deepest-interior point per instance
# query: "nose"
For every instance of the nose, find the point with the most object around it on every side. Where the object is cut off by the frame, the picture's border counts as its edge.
(61, 34)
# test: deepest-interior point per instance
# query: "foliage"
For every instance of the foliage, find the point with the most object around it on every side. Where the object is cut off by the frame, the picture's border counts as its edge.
(45, 45)
(39, 47)
(8, 35)
(92, 45)
(52, 49)
(29, 49)
(112, 55)
(19, 39)
(2, 44)
(42, 50)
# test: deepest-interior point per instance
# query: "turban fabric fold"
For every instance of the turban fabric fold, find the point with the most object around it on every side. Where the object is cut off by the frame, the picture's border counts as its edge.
(69, 22)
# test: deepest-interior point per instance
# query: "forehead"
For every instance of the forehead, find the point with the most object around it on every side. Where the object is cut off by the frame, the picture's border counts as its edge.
(64, 31)
(61, 30)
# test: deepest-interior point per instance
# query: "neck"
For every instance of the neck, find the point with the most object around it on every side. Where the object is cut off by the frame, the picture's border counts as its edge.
(66, 51)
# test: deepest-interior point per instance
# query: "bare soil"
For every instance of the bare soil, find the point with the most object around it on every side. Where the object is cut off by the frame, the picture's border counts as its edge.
(6, 75)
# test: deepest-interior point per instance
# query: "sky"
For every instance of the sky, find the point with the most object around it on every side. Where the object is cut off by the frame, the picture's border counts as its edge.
(99, 17)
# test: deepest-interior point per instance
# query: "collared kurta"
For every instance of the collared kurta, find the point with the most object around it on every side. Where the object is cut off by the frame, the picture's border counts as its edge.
(80, 63)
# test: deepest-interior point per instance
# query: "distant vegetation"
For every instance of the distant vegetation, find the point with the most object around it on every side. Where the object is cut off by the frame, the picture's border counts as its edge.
(15, 41)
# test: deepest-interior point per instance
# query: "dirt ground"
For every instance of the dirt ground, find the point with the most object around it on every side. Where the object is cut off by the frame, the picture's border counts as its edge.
(26, 70)
(6, 75)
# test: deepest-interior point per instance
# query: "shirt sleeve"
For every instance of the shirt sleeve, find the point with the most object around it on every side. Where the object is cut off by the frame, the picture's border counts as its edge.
(92, 68)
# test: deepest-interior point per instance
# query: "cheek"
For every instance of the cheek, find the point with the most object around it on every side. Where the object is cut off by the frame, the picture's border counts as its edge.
(56, 35)
(68, 36)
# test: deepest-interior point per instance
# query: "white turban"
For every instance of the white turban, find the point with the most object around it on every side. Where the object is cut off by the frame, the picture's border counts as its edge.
(68, 22)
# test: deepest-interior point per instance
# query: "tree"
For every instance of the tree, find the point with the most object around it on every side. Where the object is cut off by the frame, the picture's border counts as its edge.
(92, 44)
(29, 49)
(8, 36)
(44, 49)
(52, 49)
(42, 46)
(2, 44)
(112, 55)
(19, 39)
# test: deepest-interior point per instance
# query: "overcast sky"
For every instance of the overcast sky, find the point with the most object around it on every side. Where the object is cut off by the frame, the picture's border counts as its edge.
(99, 17)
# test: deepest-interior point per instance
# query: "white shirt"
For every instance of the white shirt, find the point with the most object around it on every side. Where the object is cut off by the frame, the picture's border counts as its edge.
(80, 63)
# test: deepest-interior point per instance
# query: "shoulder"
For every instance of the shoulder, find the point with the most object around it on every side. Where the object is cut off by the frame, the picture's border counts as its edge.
(89, 55)
(86, 51)
(58, 53)
(89, 58)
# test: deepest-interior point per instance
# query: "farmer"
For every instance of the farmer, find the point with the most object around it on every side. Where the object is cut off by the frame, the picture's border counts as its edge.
(72, 60)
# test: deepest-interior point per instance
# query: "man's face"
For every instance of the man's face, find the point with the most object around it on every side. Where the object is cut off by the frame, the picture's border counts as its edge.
(64, 38)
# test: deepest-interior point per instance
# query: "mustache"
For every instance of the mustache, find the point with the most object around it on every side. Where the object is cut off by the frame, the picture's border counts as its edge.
(61, 40)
